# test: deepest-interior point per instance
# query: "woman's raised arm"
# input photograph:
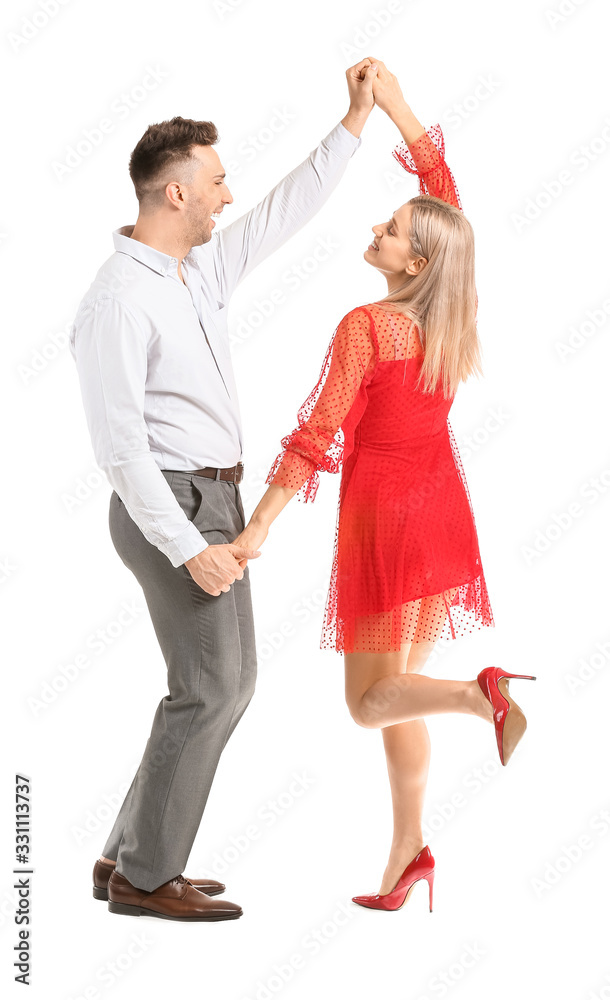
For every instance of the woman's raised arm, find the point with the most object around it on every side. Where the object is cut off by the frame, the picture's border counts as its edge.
(421, 151)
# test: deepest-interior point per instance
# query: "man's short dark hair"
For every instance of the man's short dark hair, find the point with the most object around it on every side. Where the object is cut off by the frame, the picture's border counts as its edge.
(166, 144)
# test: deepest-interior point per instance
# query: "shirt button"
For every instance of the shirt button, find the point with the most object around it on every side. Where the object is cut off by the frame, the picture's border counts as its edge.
(162, 270)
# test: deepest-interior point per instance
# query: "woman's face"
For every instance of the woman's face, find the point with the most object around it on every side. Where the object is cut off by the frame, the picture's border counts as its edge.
(389, 252)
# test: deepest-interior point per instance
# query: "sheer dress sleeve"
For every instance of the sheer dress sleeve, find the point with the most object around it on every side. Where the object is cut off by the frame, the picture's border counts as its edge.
(426, 158)
(317, 443)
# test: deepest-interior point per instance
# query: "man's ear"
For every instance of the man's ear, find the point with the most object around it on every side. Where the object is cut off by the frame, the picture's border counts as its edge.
(175, 193)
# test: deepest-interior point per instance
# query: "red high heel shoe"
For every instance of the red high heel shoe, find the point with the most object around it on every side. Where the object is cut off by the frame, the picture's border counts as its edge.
(422, 866)
(509, 720)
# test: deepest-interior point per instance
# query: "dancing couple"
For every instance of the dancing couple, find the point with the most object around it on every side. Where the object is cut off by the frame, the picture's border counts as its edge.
(151, 347)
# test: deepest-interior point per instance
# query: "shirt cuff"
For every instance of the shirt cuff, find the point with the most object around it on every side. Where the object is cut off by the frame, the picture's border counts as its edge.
(186, 545)
(341, 141)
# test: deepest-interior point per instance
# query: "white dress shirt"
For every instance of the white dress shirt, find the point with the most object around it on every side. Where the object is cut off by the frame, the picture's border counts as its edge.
(153, 357)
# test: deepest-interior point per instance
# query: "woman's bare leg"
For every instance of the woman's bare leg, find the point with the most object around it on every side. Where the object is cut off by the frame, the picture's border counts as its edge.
(379, 695)
(381, 692)
(407, 750)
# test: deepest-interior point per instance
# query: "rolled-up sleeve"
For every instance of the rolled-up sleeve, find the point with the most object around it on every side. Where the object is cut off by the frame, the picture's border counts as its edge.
(110, 351)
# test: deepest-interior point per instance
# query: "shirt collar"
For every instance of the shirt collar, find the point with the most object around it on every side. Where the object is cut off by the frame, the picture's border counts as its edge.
(160, 262)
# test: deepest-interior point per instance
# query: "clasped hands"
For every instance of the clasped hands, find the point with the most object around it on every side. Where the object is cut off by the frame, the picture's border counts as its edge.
(370, 83)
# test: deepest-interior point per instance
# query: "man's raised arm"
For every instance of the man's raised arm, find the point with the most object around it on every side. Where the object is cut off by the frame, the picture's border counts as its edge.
(296, 199)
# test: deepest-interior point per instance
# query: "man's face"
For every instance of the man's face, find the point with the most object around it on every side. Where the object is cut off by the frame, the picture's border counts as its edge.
(205, 196)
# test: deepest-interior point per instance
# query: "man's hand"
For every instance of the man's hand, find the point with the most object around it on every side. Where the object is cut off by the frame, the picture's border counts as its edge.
(361, 102)
(218, 566)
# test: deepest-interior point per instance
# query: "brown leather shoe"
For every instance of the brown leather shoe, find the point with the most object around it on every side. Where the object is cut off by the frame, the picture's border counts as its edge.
(177, 899)
(102, 872)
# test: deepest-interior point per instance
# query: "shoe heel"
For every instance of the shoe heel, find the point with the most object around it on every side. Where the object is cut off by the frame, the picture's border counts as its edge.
(99, 893)
(430, 881)
(524, 677)
(132, 911)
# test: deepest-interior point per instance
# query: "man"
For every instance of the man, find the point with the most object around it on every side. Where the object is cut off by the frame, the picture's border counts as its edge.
(150, 342)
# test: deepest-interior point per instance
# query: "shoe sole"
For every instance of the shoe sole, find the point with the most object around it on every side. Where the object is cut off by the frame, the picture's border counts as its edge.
(99, 893)
(515, 722)
(141, 911)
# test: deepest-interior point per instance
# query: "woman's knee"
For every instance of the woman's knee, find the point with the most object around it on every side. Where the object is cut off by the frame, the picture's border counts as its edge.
(369, 710)
(366, 676)
(356, 712)
(363, 715)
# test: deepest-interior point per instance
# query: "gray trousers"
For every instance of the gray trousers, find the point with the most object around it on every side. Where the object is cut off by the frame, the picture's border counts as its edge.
(208, 645)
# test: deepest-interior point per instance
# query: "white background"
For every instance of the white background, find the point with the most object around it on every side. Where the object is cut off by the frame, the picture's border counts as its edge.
(519, 94)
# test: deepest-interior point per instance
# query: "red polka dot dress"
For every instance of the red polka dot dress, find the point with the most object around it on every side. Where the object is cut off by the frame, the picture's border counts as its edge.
(406, 565)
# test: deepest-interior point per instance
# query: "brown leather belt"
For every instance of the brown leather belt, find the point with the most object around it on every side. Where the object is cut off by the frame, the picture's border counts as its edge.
(234, 475)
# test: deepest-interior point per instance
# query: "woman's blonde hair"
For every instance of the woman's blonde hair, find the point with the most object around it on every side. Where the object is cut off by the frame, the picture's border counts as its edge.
(441, 300)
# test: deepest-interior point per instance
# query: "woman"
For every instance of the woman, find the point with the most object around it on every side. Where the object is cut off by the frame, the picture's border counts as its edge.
(407, 568)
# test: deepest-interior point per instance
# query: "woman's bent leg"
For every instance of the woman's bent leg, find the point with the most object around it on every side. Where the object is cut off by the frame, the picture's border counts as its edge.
(379, 695)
